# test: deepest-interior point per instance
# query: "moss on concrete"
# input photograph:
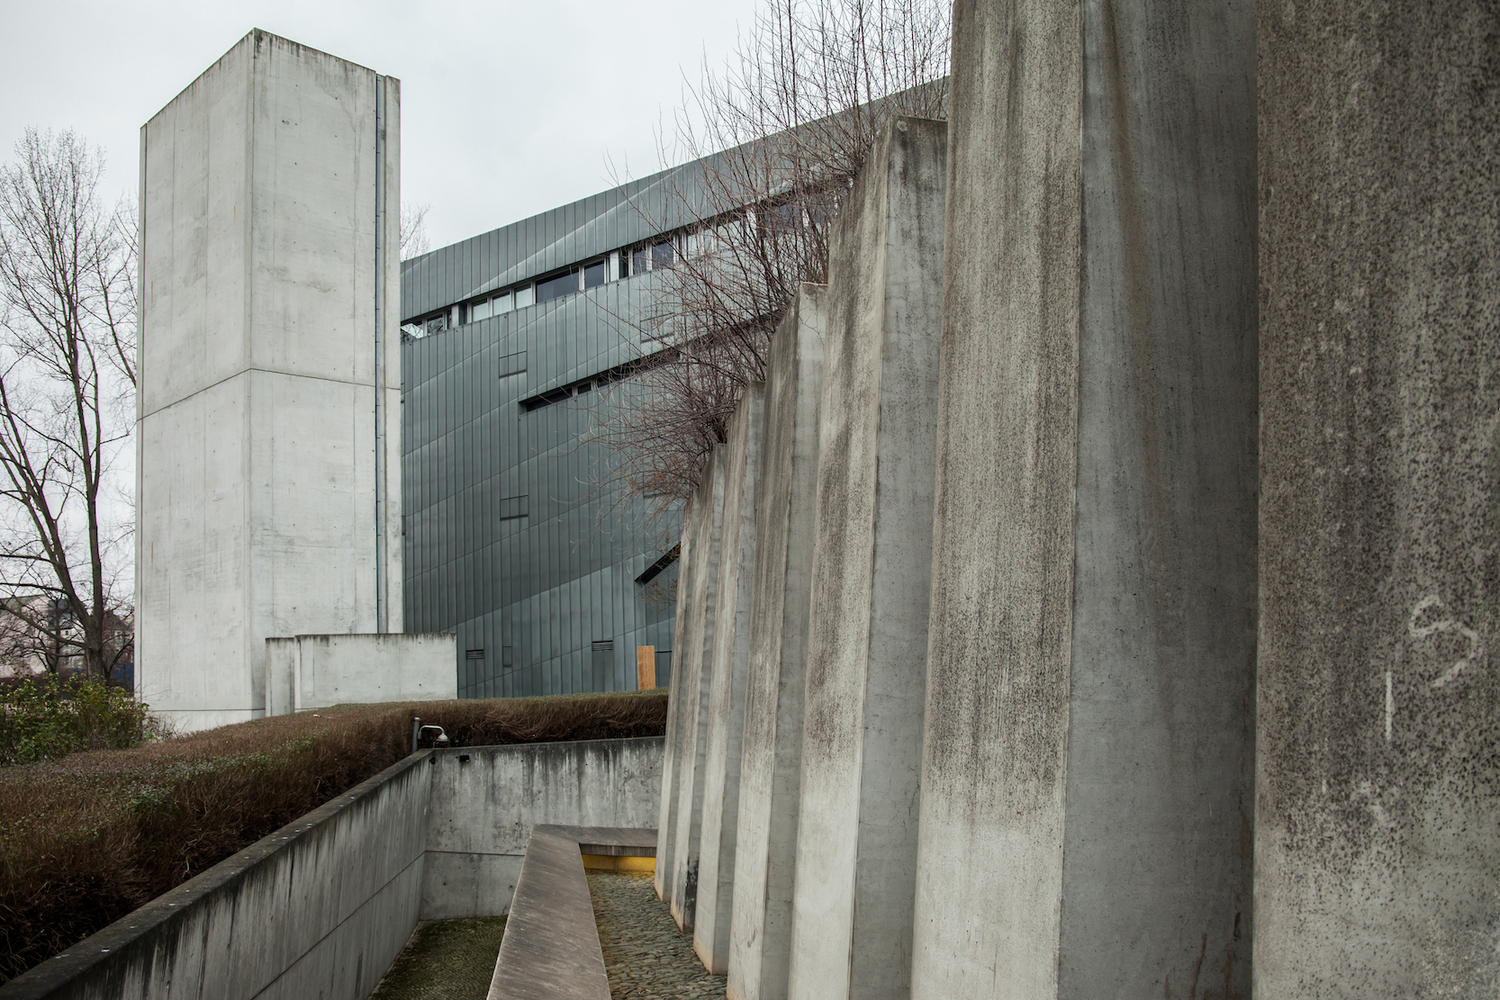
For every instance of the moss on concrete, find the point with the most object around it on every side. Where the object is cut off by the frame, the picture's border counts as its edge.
(445, 960)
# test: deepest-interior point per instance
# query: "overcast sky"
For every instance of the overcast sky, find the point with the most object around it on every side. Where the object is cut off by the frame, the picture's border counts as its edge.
(507, 108)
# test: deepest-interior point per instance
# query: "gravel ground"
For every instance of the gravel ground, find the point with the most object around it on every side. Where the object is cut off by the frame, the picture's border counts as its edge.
(646, 956)
(445, 960)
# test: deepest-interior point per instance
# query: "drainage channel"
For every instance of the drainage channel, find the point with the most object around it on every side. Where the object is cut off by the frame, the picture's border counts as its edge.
(645, 956)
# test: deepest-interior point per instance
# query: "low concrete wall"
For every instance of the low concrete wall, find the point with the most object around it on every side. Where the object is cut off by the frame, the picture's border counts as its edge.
(315, 671)
(319, 908)
(485, 800)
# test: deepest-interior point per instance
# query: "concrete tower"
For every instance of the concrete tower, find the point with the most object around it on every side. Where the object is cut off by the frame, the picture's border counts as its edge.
(268, 464)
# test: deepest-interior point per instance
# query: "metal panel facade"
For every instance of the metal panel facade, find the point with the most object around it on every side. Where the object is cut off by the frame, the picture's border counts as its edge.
(513, 536)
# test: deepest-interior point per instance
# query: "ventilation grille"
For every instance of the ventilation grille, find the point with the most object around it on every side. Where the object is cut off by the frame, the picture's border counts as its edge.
(603, 645)
(473, 654)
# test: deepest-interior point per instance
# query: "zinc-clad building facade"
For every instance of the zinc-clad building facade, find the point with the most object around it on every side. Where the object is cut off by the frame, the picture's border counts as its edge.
(517, 348)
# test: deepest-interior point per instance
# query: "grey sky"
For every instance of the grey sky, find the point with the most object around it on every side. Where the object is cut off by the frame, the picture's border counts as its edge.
(508, 109)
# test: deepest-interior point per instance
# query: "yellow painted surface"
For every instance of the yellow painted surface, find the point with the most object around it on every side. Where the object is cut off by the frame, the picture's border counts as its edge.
(612, 863)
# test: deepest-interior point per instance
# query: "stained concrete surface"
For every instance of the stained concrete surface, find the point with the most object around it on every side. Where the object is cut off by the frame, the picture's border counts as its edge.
(484, 808)
(1086, 788)
(697, 670)
(867, 631)
(445, 960)
(671, 772)
(1378, 786)
(771, 761)
(726, 702)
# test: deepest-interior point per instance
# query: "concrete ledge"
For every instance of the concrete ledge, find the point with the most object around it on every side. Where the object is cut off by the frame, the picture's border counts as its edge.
(551, 945)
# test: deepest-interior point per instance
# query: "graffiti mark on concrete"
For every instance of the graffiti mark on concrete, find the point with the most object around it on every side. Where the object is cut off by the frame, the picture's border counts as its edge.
(1434, 625)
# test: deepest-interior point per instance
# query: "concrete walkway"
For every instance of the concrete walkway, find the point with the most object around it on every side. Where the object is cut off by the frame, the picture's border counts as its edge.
(645, 955)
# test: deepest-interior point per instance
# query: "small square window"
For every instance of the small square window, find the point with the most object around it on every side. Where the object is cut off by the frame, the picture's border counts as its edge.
(526, 296)
(593, 275)
(501, 304)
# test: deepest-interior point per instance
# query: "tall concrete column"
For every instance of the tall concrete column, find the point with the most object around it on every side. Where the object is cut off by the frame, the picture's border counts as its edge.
(671, 765)
(697, 678)
(760, 937)
(1377, 823)
(268, 497)
(867, 634)
(1087, 766)
(726, 701)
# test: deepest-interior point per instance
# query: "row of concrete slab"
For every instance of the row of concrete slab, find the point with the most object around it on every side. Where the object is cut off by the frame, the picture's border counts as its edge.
(1094, 600)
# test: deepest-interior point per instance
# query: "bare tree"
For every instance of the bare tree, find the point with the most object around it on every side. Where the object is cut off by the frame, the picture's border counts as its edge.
(414, 241)
(67, 382)
(775, 139)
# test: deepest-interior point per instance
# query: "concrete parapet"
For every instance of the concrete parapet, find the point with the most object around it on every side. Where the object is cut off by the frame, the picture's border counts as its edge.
(1086, 778)
(867, 631)
(726, 702)
(771, 758)
(317, 671)
(1377, 822)
(319, 908)
(697, 668)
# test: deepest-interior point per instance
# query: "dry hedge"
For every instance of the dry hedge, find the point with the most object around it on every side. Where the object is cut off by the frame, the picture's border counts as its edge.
(88, 838)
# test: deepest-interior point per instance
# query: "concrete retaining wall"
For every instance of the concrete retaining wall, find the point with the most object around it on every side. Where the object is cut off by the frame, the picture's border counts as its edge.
(867, 629)
(726, 700)
(483, 809)
(316, 671)
(1377, 823)
(318, 909)
(771, 758)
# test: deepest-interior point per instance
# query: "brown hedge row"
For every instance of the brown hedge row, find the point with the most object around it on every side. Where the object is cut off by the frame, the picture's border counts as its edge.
(88, 838)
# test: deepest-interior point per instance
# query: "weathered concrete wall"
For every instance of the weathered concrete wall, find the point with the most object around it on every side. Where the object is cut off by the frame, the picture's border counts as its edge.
(316, 671)
(867, 632)
(770, 771)
(1087, 767)
(256, 471)
(666, 823)
(697, 676)
(1378, 787)
(483, 809)
(726, 701)
(319, 908)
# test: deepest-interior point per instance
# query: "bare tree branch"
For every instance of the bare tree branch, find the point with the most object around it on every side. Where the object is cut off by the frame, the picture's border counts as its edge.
(776, 137)
(67, 382)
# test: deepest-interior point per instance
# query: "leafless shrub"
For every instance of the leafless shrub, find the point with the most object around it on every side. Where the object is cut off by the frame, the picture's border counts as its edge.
(775, 138)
